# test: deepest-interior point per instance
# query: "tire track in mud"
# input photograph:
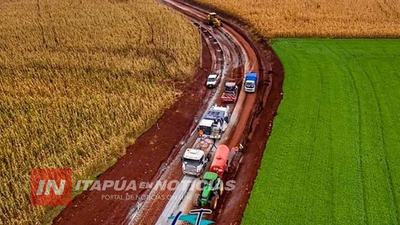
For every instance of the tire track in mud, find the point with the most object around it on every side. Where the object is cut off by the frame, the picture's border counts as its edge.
(263, 105)
(155, 149)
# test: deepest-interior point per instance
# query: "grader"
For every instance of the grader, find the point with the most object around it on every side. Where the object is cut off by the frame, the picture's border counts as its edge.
(213, 20)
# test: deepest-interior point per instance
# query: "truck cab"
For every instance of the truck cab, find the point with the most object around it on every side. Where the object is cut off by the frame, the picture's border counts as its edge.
(194, 162)
(212, 80)
(215, 121)
(250, 82)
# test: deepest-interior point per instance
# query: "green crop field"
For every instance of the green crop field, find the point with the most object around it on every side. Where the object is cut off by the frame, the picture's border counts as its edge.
(334, 153)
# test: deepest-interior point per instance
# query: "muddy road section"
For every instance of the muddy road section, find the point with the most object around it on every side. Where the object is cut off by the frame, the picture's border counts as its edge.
(253, 114)
(147, 156)
(245, 168)
(154, 154)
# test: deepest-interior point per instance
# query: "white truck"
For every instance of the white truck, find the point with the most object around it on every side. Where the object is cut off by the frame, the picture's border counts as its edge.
(195, 159)
(214, 123)
(212, 80)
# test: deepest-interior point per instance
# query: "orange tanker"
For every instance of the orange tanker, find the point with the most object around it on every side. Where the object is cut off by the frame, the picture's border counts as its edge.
(219, 163)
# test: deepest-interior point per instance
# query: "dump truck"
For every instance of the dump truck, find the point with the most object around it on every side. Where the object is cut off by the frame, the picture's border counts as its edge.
(214, 123)
(212, 80)
(250, 82)
(195, 159)
(220, 161)
(230, 93)
(213, 20)
(212, 188)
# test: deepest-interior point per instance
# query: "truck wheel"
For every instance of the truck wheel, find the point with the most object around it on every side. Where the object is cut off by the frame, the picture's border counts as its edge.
(201, 172)
(196, 200)
(214, 202)
(221, 188)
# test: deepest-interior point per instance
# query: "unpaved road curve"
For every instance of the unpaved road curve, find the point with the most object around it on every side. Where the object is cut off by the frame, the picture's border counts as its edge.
(247, 116)
(147, 158)
(148, 155)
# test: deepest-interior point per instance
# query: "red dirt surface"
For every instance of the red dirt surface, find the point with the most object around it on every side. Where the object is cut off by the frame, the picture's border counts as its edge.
(152, 211)
(144, 158)
(234, 203)
(269, 95)
(254, 137)
(253, 129)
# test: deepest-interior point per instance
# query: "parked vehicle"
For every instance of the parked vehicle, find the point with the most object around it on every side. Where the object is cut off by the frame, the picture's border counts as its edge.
(195, 159)
(212, 80)
(214, 122)
(212, 187)
(213, 20)
(250, 82)
(230, 93)
(220, 162)
(211, 184)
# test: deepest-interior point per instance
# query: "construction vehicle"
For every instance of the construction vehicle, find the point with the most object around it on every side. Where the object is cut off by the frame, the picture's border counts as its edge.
(220, 162)
(211, 184)
(195, 159)
(213, 20)
(214, 123)
(230, 93)
(212, 188)
(212, 80)
(250, 82)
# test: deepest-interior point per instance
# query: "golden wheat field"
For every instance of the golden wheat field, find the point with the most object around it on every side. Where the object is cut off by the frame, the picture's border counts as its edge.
(79, 80)
(316, 18)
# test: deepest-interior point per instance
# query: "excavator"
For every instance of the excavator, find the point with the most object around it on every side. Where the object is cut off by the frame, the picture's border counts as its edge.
(213, 20)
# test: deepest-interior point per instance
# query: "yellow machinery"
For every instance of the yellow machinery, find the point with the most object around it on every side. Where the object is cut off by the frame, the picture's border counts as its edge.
(212, 19)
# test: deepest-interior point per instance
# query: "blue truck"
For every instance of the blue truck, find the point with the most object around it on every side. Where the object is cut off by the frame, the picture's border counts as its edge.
(250, 82)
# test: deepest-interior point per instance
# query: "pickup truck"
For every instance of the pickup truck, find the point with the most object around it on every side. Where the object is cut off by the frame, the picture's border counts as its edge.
(212, 80)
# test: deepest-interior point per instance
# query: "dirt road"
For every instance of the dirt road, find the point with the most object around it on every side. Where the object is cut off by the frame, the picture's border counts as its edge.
(246, 116)
(231, 52)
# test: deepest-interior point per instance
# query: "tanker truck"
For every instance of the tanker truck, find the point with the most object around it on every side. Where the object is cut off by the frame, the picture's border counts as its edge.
(220, 162)
(211, 184)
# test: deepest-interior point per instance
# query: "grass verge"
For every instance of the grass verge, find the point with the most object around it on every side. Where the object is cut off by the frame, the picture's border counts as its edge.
(333, 156)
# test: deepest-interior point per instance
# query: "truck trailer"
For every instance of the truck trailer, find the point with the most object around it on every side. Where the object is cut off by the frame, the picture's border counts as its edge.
(220, 162)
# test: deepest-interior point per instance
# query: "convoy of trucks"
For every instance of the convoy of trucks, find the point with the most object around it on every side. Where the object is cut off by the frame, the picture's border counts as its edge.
(211, 128)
